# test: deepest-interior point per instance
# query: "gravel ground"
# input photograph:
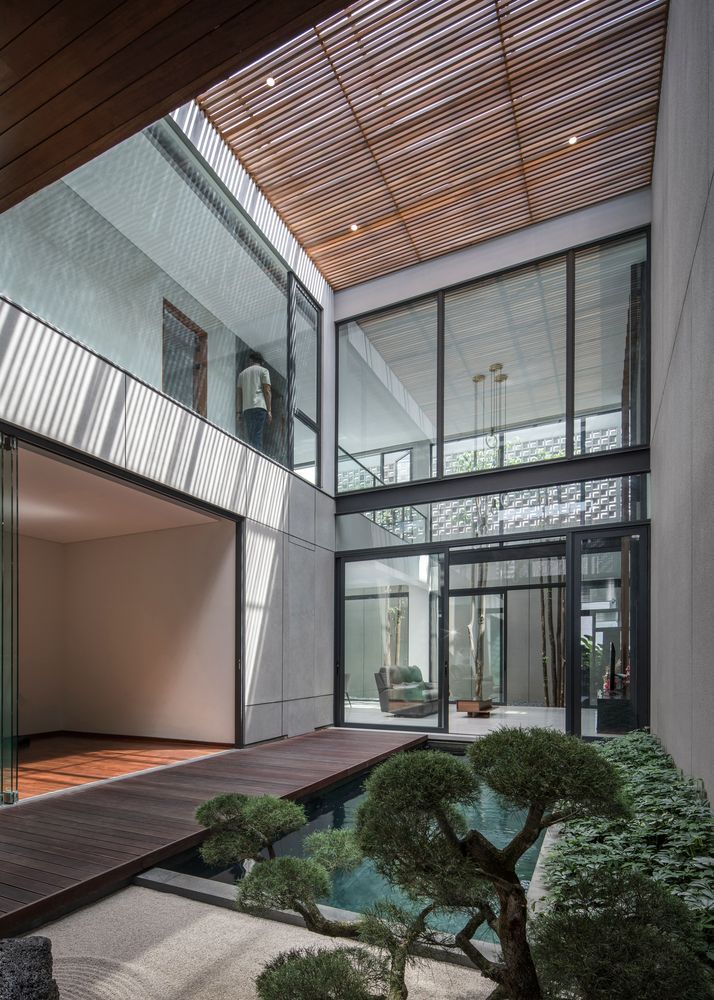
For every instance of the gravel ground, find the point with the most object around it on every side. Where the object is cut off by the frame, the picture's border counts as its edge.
(144, 945)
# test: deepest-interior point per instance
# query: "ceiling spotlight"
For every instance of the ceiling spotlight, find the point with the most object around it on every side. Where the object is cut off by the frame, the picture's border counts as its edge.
(270, 81)
(572, 140)
(354, 227)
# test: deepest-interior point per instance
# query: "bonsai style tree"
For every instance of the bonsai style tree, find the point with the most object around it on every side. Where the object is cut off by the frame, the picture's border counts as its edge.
(414, 828)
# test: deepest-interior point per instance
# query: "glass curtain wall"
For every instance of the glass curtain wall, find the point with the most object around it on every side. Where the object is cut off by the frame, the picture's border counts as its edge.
(504, 370)
(391, 633)
(546, 361)
(305, 331)
(507, 639)
(611, 631)
(8, 619)
(142, 256)
(387, 397)
(610, 317)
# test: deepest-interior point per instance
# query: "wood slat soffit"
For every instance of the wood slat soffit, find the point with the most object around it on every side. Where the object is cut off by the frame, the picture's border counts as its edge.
(79, 76)
(431, 125)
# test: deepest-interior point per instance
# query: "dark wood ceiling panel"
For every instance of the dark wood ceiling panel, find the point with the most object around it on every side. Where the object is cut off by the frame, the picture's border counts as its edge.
(431, 126)
(78, 76)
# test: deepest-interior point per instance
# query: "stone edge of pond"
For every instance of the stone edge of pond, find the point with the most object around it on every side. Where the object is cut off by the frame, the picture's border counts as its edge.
(537, 894)
(222, 894)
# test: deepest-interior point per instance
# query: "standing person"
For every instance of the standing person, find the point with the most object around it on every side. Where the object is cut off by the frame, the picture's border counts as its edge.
(254, 402)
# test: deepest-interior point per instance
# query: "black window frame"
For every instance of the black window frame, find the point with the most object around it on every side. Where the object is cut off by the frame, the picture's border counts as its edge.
(568, 256)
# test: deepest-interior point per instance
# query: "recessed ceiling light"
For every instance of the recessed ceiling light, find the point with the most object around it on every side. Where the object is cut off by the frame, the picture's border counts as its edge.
(354, 227)
(270, 81)
(572, 140)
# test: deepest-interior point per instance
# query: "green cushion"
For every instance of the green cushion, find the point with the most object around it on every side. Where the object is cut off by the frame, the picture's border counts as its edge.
(412, 674)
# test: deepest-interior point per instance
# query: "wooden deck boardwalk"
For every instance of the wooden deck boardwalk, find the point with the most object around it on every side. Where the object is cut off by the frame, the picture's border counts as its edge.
(61, 850)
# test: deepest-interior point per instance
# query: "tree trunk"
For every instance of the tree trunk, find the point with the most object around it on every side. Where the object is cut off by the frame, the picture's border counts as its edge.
(520, 976)
(398, 634)
(559, 648)
(544, 651)
(397, 988)
(551, 637)
(561, 700)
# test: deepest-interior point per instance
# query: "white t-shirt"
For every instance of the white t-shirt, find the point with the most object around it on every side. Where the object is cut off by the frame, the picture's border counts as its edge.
(251, 381)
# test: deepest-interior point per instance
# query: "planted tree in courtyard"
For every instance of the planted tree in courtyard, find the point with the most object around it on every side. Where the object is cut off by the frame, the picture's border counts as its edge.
(413, 825)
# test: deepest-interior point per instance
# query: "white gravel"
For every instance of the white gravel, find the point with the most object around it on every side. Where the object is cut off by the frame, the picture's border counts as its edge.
(140, 944)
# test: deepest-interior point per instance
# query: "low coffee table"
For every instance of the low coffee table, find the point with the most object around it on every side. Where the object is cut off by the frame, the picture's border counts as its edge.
(475, 709)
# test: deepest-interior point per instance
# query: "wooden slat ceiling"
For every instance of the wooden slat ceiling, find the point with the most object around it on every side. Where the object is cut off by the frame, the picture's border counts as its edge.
(78, 76)
(434, 124)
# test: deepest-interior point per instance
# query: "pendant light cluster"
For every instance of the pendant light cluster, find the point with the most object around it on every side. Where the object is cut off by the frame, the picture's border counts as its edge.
(492, 386)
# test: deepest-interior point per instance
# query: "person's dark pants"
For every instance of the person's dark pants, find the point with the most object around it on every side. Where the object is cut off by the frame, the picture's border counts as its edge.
(255, 426)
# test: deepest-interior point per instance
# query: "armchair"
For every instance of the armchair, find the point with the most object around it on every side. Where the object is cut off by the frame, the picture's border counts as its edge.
(404, 693)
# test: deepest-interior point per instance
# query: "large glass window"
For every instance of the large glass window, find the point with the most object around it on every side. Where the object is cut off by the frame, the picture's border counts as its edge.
(507, 638)
(504, 370)
(546, 361)
(610, 316)
(387, 393)
(142, 256)
(611, 625)
(391, 641)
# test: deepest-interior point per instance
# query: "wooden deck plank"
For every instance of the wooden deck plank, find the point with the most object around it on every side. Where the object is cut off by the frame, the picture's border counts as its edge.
(58, 851)
(68, 760)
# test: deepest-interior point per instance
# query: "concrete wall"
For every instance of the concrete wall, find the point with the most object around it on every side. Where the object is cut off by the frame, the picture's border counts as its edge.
(41, 636)
(58, 390)
(682, 393)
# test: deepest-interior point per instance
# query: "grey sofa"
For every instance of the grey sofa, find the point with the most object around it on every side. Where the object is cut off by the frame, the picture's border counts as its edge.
(403, 692)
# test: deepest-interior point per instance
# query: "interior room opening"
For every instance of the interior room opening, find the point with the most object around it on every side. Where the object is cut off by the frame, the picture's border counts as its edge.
(126, 627)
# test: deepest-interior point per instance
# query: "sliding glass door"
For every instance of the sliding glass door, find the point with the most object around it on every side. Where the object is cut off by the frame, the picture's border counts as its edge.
(8, 620)
(392, 640)
(507, 634)
(611, 596)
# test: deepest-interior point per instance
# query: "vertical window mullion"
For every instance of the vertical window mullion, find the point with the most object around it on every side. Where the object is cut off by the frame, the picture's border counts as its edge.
(569, 353)
(440, 388)
(291, 369)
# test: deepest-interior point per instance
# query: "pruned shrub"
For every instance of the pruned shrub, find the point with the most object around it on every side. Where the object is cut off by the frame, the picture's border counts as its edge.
(619, 936)
(323, 974)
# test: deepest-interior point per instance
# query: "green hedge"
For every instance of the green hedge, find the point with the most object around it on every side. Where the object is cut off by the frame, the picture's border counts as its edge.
(669, 836)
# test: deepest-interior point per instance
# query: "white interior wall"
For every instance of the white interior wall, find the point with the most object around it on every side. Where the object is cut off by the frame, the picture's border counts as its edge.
(133, 635)
(41, 641)
(151, 634)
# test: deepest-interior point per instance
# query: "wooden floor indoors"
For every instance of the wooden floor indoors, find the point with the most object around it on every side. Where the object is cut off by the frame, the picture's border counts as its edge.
(59, 851)
(66, 760)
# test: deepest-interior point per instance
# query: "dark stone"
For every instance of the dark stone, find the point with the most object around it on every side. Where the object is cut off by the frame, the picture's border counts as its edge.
(26, 969)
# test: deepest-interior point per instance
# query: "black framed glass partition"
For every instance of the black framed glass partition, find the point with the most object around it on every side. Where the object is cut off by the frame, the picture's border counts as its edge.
(545, 361)
(535, 619)
(610, 570)
(143, 256)
(9, 532)
(387, 391)
(504, 370)
(392, 642)
(305, 338)
(507, 637)
(610, 398)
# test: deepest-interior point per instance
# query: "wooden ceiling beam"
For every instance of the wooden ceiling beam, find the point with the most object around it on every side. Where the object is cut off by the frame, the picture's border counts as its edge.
(79, 76)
